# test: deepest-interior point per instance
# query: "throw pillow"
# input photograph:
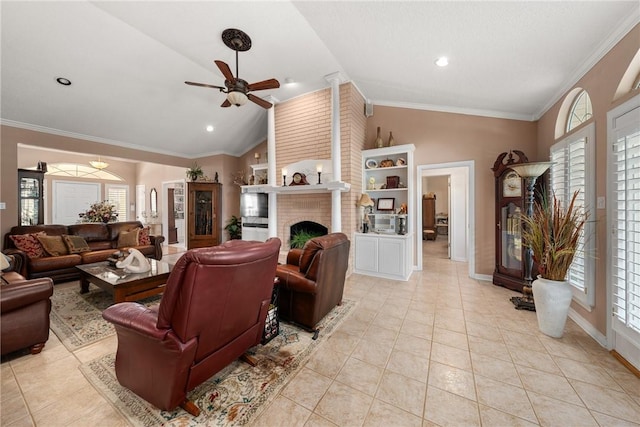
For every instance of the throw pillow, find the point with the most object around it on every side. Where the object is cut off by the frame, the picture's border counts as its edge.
(53, 245)
(76, 244)
(127, 239)
(143, 236)
(29, 244)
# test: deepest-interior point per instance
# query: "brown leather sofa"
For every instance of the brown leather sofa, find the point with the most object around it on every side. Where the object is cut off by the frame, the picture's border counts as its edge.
(101, 238)
(213, 309)
(312, 280)
(24, 306)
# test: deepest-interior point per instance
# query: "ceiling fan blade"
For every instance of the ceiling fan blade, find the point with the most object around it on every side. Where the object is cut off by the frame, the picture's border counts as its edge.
(265, 84)
(205, 85)
(261, 102)
(225, 70)
(226, 103)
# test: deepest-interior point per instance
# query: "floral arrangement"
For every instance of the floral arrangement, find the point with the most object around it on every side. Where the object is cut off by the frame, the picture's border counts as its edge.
(553, 232)
(104, 211)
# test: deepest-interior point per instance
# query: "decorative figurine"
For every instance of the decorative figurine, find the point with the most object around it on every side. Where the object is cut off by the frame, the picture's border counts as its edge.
(136, 262)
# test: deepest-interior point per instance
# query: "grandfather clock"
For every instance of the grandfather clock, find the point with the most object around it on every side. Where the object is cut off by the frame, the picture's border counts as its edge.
(510, 206)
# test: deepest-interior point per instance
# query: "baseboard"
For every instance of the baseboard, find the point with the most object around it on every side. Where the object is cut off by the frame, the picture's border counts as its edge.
(483, 277)
(588, 328)
(626, 363)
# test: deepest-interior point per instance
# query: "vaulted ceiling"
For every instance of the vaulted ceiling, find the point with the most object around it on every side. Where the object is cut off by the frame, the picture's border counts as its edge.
(127, 61)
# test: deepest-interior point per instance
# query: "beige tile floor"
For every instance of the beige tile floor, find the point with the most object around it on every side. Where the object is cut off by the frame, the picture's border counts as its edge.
(438, 350)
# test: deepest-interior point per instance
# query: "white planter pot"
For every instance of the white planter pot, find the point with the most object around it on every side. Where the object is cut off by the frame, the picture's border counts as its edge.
(552, 299)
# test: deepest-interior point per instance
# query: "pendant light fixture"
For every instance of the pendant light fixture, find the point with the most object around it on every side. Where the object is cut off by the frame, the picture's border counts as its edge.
(99, 164)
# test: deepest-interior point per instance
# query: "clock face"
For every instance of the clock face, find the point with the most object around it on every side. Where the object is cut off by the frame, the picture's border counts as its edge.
(512, 185)
(299, 179)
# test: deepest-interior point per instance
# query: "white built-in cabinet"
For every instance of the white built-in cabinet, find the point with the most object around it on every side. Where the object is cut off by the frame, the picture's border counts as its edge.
(382, 252)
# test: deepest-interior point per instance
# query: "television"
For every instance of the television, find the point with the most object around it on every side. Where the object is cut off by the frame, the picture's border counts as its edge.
(254, 205)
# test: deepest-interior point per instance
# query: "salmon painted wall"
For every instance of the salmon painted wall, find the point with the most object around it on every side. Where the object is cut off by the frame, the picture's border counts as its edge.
(445, 138)
(601, 83)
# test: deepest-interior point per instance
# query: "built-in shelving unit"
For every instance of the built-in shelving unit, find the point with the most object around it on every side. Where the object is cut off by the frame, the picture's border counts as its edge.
(388, 180)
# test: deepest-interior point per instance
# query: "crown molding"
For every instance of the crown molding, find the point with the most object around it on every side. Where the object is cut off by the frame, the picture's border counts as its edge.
(456, 110)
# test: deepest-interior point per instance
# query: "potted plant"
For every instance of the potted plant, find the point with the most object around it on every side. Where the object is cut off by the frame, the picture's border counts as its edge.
(234, 228)
(195, 172)
(553, 233)
(300, 238)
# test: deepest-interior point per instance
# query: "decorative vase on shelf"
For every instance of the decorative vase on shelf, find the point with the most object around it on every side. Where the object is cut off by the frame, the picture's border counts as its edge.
(553, 299)
(392, 141)
(379, 143)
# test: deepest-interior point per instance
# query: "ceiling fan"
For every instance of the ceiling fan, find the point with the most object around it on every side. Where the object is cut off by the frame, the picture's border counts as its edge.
(238, 90)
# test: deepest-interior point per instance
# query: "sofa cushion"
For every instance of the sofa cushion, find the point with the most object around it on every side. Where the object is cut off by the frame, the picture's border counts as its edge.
(45, 264)
(53, 245)
(29, 244)
(76, 244)
(90, 232)
(128, 239)
(143, 237)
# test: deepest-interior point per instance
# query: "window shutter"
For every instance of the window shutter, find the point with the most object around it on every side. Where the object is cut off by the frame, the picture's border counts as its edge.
(118, 196)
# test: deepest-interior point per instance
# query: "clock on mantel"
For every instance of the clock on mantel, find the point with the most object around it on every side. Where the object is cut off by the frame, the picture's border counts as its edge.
(510, 205)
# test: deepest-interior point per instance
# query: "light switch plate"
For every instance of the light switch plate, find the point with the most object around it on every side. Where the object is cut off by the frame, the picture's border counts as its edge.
(3, 205)
(601, 202)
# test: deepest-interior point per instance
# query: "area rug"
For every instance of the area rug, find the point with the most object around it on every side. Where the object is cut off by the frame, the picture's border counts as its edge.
(76, 318)
(235, 395)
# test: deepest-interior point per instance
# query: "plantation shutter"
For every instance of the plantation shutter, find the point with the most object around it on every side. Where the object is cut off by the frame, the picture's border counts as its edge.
(571, 159)
(626, 234)
(118, 196)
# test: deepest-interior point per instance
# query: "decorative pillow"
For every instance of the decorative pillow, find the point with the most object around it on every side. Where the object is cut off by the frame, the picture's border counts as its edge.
(127, 239)
(29, 244)
(143, 236)
(53, 245)
(76, 244)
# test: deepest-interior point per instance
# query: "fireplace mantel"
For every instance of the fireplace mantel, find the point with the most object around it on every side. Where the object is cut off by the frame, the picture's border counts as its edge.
(298, 189)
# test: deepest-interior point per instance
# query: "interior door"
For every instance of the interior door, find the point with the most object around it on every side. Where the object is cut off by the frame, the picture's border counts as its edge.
(140, 202)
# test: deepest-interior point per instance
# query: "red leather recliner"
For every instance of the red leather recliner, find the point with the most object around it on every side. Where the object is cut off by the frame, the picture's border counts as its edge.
(312, 280)
(212, 311)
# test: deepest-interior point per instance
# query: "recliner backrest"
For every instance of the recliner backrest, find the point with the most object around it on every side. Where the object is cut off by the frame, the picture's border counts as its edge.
(211, 291)
(328, 251)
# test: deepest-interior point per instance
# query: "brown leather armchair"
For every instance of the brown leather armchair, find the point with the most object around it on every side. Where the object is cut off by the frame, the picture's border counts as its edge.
(25, 306)
(312, 280)
(213, 310)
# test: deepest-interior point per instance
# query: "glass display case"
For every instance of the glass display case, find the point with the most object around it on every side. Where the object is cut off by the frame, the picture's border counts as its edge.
(204, 214)
(30, 197)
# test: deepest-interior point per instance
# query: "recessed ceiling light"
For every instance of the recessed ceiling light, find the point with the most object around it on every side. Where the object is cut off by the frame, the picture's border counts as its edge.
(63, 81)
(443, 61)
(209, 128)
(288, 80)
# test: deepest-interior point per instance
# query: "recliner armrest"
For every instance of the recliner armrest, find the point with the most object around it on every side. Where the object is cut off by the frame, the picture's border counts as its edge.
(295, 281)
(137, 317)
(293, 257)
(25, 292)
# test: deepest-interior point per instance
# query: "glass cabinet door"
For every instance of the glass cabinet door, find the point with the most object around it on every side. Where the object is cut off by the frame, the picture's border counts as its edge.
(203, 213)
(30, 205)
(511, 237)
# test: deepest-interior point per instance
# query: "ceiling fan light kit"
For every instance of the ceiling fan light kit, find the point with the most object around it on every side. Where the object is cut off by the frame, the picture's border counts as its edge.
(238, 90)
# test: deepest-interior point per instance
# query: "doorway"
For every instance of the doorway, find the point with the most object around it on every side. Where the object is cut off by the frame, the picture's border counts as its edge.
(173, 219)
(460, 228)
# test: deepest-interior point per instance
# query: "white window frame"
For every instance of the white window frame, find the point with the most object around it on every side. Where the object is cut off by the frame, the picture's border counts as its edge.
(561, 173)
(626, 341)
(108, 187)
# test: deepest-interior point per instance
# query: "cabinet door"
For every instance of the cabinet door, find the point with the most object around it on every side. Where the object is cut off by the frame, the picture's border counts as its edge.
(391, 257)
(366, 254)
(204, 207)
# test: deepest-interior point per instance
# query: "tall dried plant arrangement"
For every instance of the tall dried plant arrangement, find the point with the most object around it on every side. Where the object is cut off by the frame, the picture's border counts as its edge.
(553, 232)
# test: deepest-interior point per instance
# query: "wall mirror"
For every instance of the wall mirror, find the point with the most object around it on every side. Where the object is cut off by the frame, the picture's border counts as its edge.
(153, 195)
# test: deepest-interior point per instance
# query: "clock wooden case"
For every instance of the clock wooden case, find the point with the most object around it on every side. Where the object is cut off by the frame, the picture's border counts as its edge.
(510, 205)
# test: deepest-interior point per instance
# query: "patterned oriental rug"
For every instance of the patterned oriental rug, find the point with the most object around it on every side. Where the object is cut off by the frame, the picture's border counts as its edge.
(76, 318)
(235, 395)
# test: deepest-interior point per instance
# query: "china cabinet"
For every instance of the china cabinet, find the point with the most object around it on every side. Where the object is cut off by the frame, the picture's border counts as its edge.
(30, 197)
(510, 202)
(386, 250)
(204, 208)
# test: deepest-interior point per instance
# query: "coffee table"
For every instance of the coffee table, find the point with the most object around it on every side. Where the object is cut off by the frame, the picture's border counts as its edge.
(125, 286)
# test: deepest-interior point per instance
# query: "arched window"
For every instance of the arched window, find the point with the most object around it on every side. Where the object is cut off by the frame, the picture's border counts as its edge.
(580, 111)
